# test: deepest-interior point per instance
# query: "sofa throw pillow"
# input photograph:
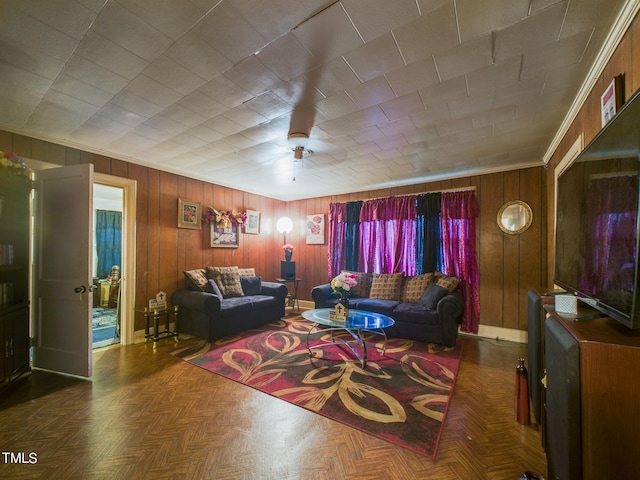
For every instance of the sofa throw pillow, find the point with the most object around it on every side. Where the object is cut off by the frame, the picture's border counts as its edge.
(387, 286)
(415, 286)
(247, 272)
(212, 287)
(228, 280)
(432, 296)
(363, 287)
(195, 279)
(450, 283)
(251, 285)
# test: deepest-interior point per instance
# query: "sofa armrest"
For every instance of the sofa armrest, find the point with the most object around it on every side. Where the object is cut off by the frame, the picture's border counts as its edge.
(321, 294)
(204, 302)
(277, 290)
(451, 306)
(273, 289)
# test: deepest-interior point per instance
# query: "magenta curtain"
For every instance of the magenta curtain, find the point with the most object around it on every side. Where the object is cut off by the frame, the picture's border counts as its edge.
(388, 235)
(459, 214)
(337, 232)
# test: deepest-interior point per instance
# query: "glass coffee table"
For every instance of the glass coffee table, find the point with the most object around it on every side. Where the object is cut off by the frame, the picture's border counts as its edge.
(356, 325)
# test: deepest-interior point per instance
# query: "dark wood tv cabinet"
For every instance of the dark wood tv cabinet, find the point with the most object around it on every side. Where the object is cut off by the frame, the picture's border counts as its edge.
(592, 398)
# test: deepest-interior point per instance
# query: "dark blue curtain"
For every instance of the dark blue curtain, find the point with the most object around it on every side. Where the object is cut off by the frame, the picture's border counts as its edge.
(429, 250)
(353, 235)
(108, 241)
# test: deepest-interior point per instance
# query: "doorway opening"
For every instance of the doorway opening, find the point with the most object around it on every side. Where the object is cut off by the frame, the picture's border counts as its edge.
(126, 291)
(108, 208)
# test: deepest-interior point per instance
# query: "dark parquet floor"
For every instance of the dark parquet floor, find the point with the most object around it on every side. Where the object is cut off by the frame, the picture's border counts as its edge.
(147, 415)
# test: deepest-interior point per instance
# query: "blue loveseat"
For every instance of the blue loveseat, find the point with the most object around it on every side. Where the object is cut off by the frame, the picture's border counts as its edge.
(427, 308)
(213, 307)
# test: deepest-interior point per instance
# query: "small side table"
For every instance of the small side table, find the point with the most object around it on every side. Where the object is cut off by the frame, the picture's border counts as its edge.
(156, 314)
(293, 302)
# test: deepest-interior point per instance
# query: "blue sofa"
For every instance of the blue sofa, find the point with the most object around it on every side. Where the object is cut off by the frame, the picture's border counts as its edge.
(210, 315)
(434, 320)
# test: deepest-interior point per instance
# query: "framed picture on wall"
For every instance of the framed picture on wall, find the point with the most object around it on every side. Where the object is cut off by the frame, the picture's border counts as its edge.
(224, 236)
(315, 229)
(252, 225)
(612, 99)
(188, 214)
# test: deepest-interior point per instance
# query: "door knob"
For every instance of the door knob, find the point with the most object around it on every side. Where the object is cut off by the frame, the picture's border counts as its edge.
(81, 289)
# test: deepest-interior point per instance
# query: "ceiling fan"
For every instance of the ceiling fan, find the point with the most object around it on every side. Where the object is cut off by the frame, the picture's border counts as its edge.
(298, 142)
(303, 115)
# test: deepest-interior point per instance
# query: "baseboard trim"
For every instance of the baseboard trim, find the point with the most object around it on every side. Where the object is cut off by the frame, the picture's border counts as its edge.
(307, 304)
(499, 333)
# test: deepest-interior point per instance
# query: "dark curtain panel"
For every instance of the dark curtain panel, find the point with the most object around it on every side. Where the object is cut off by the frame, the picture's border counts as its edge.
(108, 241)
(352, 235)
(429, 245)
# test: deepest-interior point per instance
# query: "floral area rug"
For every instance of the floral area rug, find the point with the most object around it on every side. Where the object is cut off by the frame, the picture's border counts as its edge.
(401, 397)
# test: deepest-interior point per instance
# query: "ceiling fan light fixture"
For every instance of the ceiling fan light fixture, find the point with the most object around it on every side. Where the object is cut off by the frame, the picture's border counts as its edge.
(298, 140)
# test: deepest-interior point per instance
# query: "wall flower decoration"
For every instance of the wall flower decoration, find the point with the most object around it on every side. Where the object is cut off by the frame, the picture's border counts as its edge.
(12, 166)
(224, 218)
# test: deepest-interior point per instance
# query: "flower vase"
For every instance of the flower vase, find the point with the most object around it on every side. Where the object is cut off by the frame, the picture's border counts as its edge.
(345, 302)
(287, 256)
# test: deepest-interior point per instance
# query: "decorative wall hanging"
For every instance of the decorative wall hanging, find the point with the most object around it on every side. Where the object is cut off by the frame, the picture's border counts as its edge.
(252, 225)
(224, 227)
(188, 214)
(315, 229)
(515, 217)
(223, 217)
(224, 237)
(612, 99)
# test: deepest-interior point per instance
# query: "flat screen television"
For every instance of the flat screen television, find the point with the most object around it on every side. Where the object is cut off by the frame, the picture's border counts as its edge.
(597, 230)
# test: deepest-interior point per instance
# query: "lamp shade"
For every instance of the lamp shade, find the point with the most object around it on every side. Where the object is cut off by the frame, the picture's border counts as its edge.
(284, 225)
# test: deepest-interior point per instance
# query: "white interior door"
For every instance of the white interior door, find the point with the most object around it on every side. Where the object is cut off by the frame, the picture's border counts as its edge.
(62, 297)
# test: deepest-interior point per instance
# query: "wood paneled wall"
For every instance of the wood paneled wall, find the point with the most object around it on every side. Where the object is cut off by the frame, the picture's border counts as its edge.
(626, 60)
(508, 265)
(164, 251)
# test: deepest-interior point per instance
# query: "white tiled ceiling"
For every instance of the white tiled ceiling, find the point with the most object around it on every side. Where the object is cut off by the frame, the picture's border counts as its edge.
(390, 92)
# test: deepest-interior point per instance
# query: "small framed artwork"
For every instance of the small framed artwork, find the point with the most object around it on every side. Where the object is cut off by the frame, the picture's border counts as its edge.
(188, 214)
(612, 98)
(315, 229)
(224, 237)
(252, 224)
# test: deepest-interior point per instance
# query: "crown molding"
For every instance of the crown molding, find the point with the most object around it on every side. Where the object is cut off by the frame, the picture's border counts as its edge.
(620, 27)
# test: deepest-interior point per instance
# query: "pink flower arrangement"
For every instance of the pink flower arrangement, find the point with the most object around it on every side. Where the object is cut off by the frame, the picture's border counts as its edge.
(343, 283)
(287, 248)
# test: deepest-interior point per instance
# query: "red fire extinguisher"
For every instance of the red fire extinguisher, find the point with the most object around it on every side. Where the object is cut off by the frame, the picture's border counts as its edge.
(522, 394)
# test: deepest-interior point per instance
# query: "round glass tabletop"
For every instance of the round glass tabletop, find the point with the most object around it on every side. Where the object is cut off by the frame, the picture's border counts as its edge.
(358, 319)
